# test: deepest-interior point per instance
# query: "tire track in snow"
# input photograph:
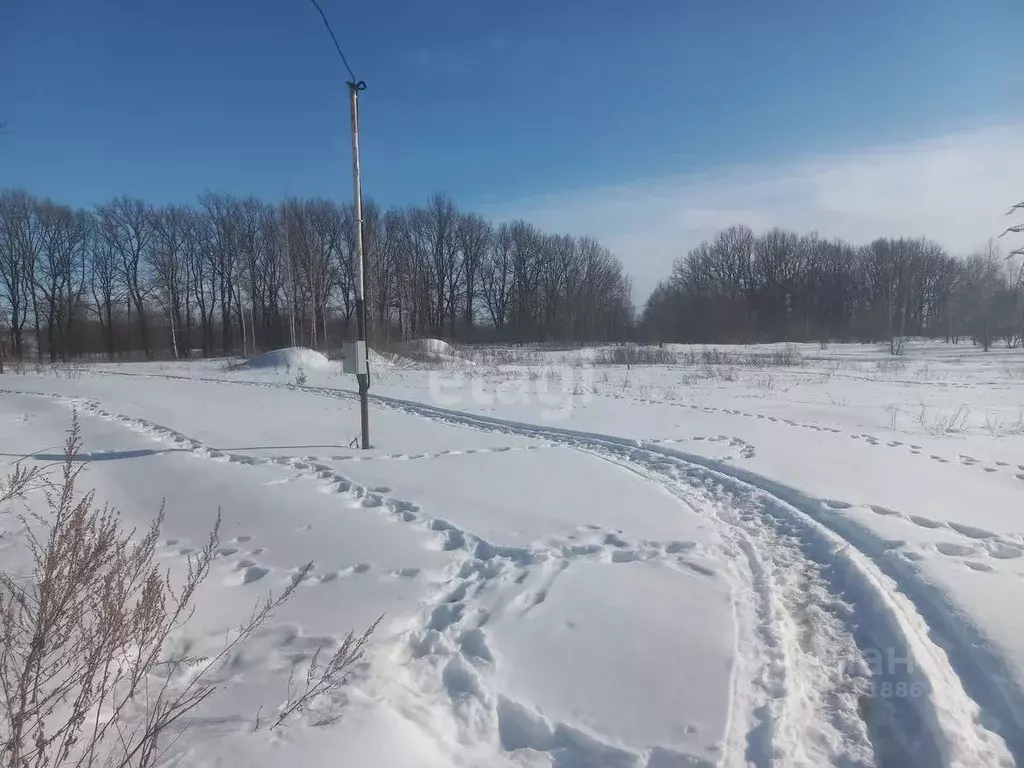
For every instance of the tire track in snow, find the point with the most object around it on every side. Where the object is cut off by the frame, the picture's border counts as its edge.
(444, 649)
(800, 678)
(944, 712)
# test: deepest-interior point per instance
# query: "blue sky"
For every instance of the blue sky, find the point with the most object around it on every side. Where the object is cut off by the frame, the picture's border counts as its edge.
(512, 107)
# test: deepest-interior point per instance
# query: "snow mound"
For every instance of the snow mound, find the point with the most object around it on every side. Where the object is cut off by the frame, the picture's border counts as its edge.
(289, 357)
(428, 347)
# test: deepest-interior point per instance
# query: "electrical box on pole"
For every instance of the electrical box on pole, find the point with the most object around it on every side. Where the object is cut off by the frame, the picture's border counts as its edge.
(353, 358)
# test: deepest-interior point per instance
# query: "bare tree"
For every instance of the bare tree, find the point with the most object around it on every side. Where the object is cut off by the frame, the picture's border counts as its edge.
(60, 274)
(127, 226)
(496, 276)
(474, 235)
(234, 268)
(222, 258)
(20, 242)
(983, 279)
(168, 260)
(738, 287)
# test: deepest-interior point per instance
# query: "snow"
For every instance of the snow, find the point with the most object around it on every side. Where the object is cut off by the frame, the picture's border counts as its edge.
(288, 358)
(430, 347)
(704, 563)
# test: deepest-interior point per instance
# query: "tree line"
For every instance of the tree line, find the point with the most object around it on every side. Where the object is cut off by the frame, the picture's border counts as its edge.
(781, 285)
(233, 275)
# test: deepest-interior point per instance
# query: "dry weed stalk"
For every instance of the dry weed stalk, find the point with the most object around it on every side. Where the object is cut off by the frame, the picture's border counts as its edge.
(85, 675)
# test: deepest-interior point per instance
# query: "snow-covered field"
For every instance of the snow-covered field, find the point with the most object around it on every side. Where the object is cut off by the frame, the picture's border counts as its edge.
(753, 556)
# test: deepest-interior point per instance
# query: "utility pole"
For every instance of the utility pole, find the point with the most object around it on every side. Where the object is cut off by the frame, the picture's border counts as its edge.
(357, 360)
(362, 357)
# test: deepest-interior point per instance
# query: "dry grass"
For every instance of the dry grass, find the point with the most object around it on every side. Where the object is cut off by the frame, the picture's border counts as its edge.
(944, 423)
(782, 357)
(632, 354)
(891, 365)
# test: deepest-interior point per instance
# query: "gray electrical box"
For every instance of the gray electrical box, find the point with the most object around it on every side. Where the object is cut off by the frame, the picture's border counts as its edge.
(353, 357)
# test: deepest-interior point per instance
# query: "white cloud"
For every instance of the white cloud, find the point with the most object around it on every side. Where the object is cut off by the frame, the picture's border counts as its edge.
(954, 189)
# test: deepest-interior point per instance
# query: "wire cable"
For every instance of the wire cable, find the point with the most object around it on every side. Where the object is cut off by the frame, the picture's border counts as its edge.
(337, 45)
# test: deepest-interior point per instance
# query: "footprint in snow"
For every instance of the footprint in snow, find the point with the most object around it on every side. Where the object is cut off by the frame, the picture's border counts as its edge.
(406, 573)
(1003, 551)
(301, 573)
(473, 643)
(444, 615)
(675, 547)
(971, 532)
(885, 511)
(251, 571)
(531, 601)
(974, 565)
(954, 550)
(453, 539)
(834, 504)
(625, 556)
(703, 570)
(354, 569)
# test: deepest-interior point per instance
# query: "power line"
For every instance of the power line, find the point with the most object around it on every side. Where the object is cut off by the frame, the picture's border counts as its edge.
(335, 39)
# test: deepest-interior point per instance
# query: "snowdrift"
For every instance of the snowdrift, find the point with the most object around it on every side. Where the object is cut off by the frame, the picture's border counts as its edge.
(427, 348)
(289, 357)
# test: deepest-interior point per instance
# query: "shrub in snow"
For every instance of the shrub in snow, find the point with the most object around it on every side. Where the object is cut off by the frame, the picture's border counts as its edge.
(631, 354)
(87, 671)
